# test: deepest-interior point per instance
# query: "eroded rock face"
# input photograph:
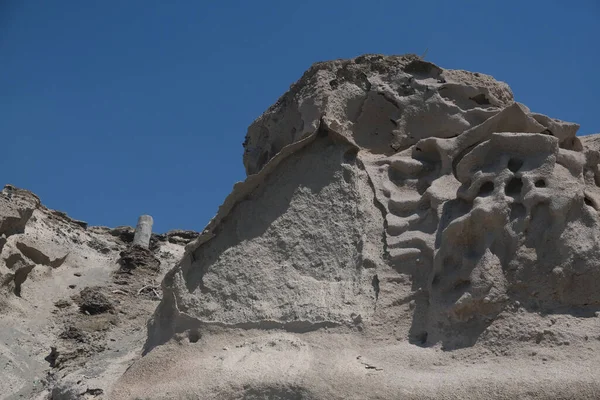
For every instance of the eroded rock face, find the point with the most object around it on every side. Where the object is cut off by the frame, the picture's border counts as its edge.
(390, 204)
(382, 104)
(303, 232)
(73, 299)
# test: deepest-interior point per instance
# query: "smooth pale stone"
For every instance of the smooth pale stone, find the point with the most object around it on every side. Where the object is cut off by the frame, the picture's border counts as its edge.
(143, 231)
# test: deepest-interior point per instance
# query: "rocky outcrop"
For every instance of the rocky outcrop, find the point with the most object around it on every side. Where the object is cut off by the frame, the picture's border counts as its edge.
(400, 223)
(383, 104)
(16, 207)
(73, 299)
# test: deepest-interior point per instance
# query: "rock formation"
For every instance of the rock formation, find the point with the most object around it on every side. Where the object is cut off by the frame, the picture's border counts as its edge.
(404, 231)
(73, 299)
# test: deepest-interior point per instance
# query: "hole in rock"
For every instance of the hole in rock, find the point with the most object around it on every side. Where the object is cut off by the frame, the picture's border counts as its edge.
(19, 279)
(52, 357)
(375, 284)
(422, 67)
(589, 202)
(486, 189)
(481, 99)
(514, 164)
(540, 183)
(194, 336)
(514, 186)
(436, 280)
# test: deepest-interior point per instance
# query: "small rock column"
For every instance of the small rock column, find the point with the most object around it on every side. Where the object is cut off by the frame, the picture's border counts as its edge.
(143, 231)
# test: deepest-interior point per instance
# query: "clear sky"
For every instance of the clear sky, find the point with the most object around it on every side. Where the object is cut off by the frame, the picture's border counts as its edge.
(111, 109)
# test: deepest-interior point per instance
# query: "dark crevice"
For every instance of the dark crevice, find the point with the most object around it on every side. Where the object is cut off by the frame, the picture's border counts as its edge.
(589, 202)
(194, 336)
(350, 156)
(323, 130)
(514, 186)
(52, 357)
(481, 99)
(375, 283)
(486, 189)
(298, 326)
(460, 156)
(94, 392)
(422, 67)
(20, 277)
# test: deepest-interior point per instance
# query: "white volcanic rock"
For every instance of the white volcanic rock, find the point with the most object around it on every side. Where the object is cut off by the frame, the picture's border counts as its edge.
(53, 271)
(405, 231)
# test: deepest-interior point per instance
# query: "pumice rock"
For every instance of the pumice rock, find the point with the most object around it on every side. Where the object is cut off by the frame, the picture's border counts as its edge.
(405, 231)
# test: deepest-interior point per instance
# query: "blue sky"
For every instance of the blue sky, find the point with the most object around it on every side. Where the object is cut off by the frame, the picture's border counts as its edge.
(111, 109)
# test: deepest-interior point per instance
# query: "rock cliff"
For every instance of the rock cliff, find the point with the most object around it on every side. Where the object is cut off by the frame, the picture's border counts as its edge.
(405, 231)
(73, 299)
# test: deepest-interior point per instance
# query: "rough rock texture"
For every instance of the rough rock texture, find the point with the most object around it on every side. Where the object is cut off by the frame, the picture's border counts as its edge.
(74, 300)
(405, 231)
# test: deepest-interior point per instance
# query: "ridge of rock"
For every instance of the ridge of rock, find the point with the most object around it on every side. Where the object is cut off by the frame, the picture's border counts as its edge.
(397, 217)
(72, 316)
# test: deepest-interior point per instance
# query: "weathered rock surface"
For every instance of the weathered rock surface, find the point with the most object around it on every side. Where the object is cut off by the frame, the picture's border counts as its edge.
(405, 231)
(74, 300)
